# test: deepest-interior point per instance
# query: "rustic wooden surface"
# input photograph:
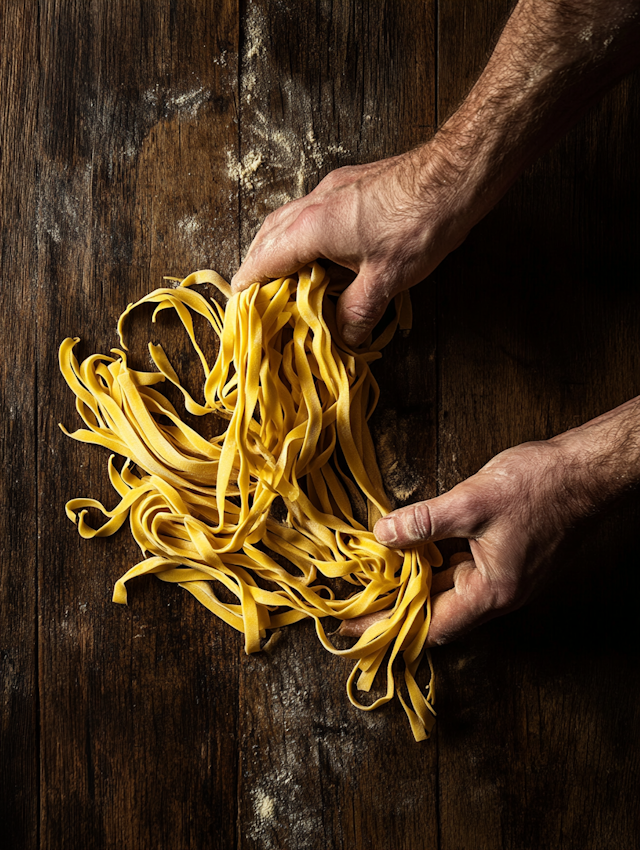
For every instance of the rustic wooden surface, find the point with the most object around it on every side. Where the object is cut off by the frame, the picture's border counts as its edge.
(141, 139)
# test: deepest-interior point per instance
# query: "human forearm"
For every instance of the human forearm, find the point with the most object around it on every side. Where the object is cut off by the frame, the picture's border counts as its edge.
(517, 512)
(568, 477)
(602, 457)
(392, 222)
(553, 59)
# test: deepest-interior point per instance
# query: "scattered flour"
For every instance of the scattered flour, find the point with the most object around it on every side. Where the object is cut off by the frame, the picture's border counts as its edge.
(264, 805)
(172, 103)
(282, 157)
(245, 170)
(189, 225)
(586, 34)
(255, 26)
(53, 230)
(64, 215)
(190, 101)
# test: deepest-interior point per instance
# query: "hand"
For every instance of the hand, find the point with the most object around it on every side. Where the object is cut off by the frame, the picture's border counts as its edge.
(390, 222)
(393, 221)
(515, 512)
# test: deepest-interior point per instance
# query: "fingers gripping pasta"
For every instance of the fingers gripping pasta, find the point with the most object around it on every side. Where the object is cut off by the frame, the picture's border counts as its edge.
(297, 404)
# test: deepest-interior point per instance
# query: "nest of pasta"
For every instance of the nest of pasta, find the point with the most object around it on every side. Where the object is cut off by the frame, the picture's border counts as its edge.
(297, 403)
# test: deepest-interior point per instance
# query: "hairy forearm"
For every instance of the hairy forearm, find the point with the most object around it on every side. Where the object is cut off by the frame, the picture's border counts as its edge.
(601, 459)
(553, 59)
(517, 513)
(392, 222)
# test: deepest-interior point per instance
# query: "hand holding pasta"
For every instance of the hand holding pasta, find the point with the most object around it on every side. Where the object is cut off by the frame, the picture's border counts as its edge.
(516, 512)
(368, 218)
(392, 222)
(297, 405)
(515, 516)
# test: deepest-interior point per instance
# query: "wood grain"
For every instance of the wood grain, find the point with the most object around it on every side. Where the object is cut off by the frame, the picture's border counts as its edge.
(535, 705)
(141, 139)
(312, 766)
(18, 386)
(138, 704)
(311, 100)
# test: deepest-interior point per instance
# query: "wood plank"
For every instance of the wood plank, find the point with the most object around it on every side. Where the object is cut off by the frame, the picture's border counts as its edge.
(156, 729)
(139, 704)
(18, 519)
(325, 85)
(538, 323)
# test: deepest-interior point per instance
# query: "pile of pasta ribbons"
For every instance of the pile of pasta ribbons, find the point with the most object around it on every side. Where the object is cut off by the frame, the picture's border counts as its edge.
(297, 403)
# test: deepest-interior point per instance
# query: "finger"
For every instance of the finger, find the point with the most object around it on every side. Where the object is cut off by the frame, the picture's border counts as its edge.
(459, 558)
(360, 308)
(443, 580)
(244, 278)
(468, 604)
(446, 579)
(283, 245)
(459, 513)
(260, 266)
(357, 626)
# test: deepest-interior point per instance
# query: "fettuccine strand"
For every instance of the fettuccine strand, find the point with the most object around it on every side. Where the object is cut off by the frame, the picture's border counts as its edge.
(297, 405)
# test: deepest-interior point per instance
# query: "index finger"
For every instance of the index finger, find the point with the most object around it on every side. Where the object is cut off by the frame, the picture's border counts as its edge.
(272, 254)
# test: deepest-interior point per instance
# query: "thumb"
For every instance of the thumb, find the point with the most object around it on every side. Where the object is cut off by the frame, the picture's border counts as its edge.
(361, 306)
(459, 513)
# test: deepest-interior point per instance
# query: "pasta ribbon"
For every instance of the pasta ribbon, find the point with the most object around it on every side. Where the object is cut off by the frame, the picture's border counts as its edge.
(297, 402)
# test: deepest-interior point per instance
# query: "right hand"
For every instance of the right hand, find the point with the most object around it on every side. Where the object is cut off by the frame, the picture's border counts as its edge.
(391, 222)
(516, 513)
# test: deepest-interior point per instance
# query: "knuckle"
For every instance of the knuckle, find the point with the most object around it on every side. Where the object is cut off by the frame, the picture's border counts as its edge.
(271, 221)
(361, 313)
(277, 219)
(472, 508)
(441, 638)
(418, 521)
(306, 223)
(336, 177)
(307, 217)
(330, 180)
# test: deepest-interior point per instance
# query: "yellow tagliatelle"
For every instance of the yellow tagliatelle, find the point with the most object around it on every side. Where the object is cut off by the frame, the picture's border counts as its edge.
(297, 404)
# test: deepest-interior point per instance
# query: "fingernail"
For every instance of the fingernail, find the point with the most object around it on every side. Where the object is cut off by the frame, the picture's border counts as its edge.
(386, 531)
(352, 335)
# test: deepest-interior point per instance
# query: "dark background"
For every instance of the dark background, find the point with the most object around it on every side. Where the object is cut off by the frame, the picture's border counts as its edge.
(148, 138)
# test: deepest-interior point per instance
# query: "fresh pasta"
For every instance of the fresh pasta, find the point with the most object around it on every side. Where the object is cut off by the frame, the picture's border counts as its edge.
(297, 404)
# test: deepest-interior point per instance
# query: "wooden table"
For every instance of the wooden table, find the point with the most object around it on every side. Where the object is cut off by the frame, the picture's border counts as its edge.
(141, 139)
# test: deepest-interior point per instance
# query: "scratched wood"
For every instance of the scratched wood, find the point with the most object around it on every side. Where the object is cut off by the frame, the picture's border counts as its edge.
(152, 139)
(18, 382)
(538, 328)
(138, 705)
(324, 85)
